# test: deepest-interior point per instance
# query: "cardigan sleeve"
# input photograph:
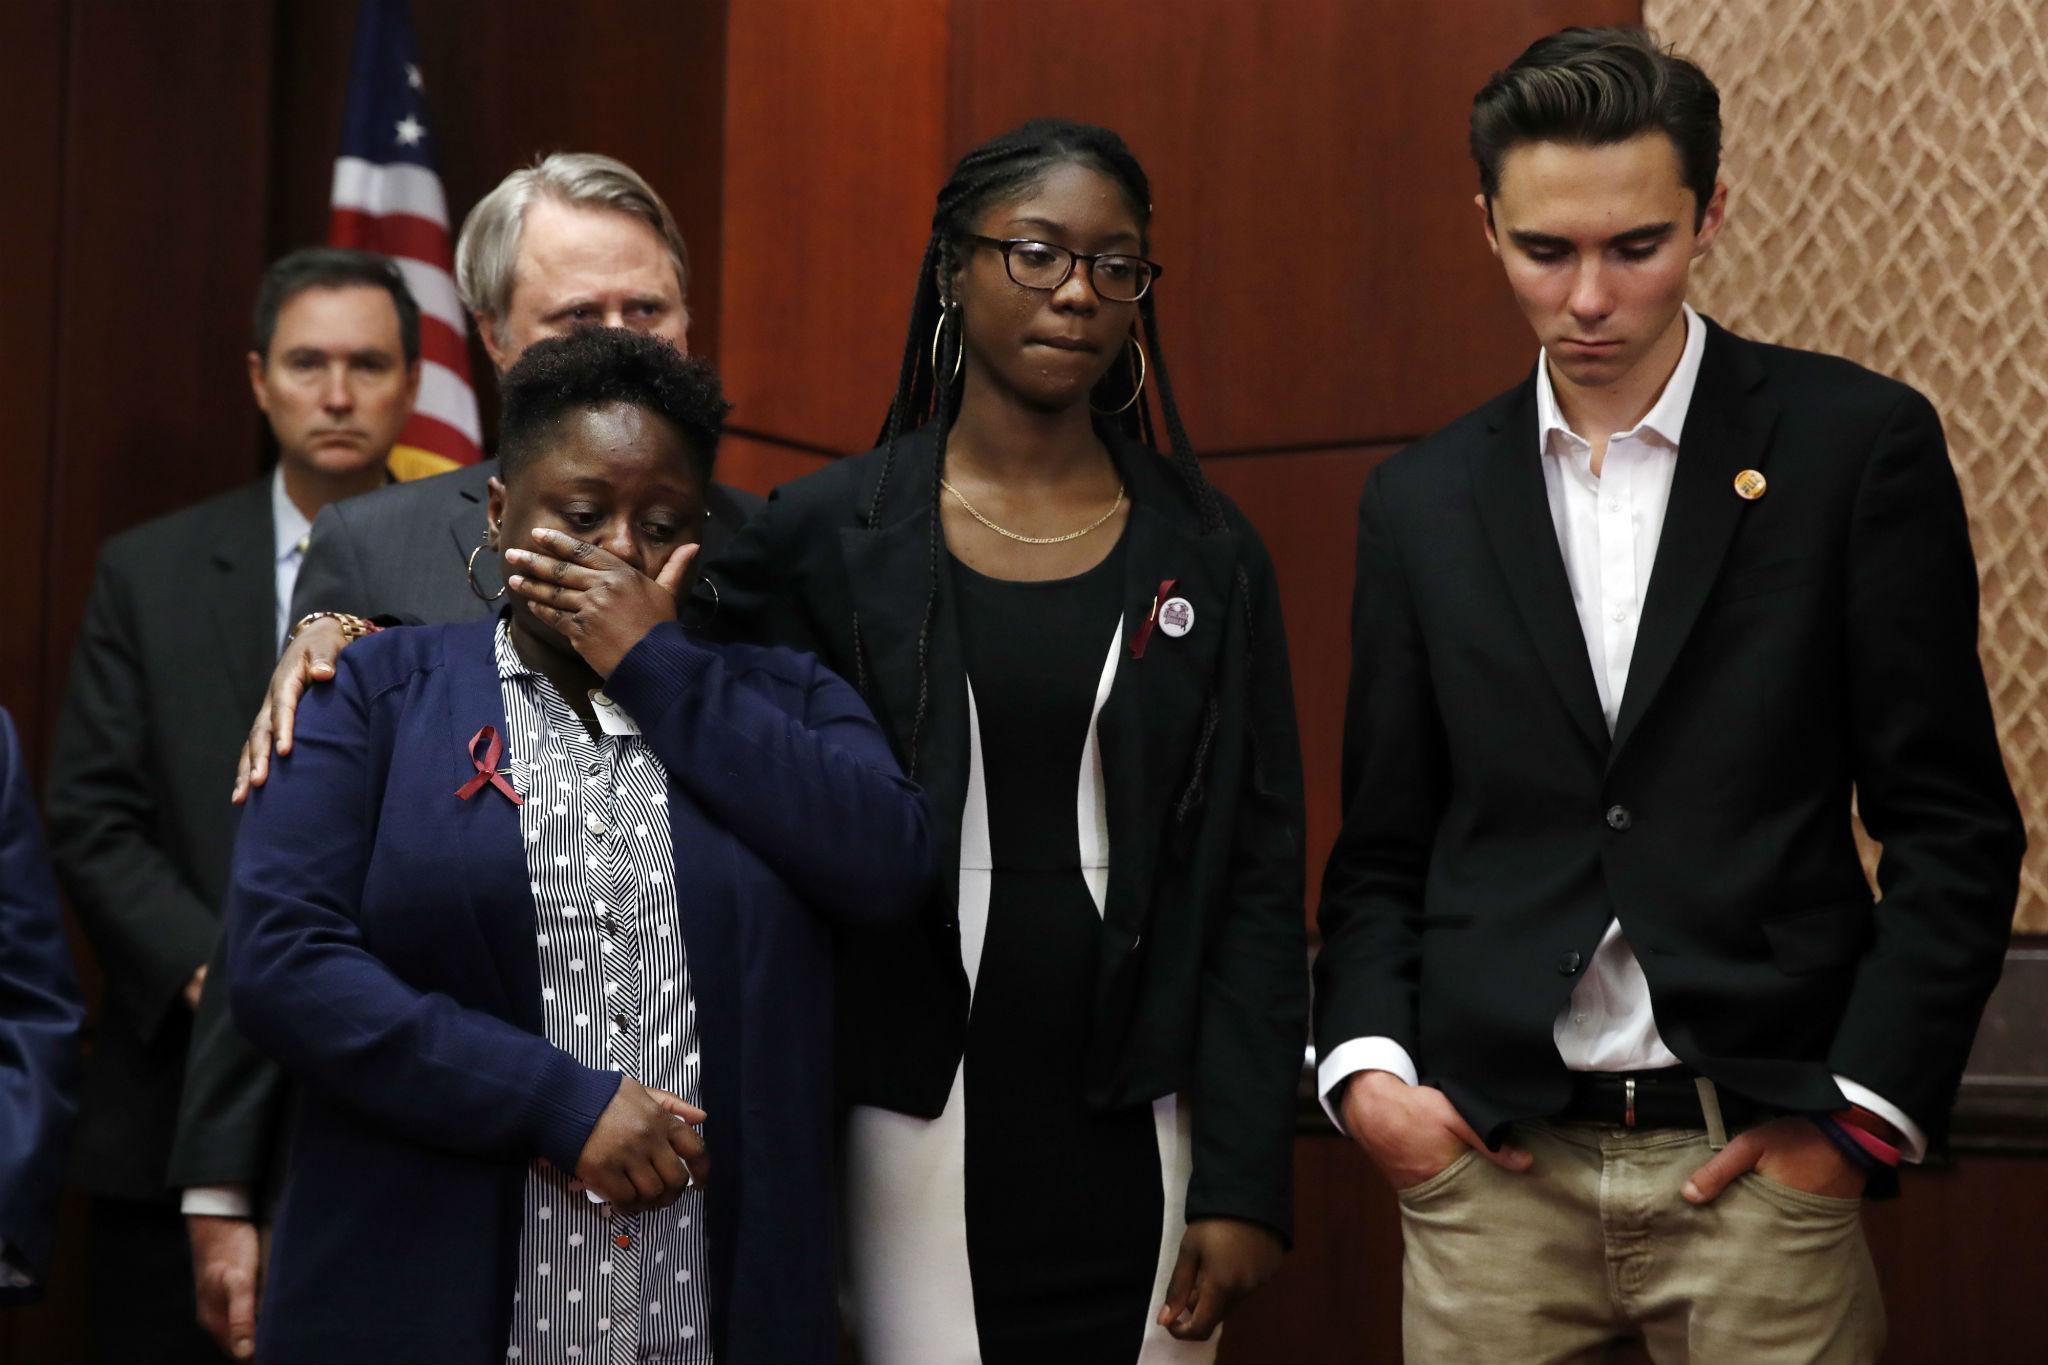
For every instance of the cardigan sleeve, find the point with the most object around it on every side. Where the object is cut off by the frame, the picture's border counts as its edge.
(818, 795)
(306, 987)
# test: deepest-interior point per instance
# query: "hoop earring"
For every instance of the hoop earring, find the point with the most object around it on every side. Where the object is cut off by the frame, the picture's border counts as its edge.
(703, 580)
(1136, 393)
(938, 334)
(490, 533)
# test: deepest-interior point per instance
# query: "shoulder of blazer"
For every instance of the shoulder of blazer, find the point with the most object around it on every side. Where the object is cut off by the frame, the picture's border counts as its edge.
(425, 502)
(238, 517)
(390, 658)
(1811, 382)
(1448, 446)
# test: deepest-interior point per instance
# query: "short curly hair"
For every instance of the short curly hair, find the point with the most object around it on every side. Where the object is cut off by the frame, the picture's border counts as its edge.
(593, 366)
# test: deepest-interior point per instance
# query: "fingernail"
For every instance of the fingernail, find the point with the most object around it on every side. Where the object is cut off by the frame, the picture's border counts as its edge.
(1691, 1192)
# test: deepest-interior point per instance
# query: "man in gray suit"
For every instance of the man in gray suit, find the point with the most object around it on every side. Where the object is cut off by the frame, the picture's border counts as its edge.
(575, 240)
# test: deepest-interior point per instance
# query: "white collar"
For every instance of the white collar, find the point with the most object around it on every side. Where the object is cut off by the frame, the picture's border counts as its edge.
(1666, 417)
(287, 523)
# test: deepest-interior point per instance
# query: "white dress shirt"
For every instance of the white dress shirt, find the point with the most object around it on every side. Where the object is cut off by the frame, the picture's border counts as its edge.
(1608, 526)
(291, 529)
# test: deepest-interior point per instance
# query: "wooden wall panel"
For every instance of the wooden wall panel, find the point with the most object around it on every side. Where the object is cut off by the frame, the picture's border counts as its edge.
(166, 130)
(1306, 509)
(1327, 281)
(759, 466)
(508, 80)
(31, 109)
(835, 147)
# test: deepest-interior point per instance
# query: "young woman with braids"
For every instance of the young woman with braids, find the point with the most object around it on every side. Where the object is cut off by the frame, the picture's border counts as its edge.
(1073, 1079)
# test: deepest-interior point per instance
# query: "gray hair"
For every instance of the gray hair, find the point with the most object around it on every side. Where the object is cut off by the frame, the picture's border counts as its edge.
(488, 248)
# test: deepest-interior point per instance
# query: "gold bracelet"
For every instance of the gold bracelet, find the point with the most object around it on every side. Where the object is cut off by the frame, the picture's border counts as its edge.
(352, 627)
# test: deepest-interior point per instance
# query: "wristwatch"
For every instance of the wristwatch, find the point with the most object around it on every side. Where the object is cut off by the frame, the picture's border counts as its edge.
(352, 627)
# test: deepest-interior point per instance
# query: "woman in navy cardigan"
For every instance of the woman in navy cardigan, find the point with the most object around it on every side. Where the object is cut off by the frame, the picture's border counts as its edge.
(534, 889)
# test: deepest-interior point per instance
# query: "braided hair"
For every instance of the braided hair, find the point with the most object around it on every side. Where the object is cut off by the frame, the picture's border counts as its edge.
(1003, 168)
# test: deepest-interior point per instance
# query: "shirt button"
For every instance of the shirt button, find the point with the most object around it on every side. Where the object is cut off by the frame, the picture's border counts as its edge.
(1567, 964)
(596, 825)
(1618, 818)
(1621, 613)
(1578, 1018)
(621, 1023)
(1614, 504)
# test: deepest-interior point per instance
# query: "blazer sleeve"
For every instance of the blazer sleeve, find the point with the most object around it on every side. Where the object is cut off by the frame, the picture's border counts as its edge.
(232, 1106)
(818, 796)
(306, 988)
(1253, 1020)
(150, 927)
(1367, 973)
(40, 1016)
(1931, 785)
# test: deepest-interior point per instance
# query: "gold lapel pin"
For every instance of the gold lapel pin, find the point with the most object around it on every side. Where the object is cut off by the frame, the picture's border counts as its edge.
(1750, 485)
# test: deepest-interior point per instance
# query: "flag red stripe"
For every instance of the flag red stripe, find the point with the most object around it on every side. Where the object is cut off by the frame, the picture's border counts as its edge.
(441, 344)
(431, 434)
(393, 234)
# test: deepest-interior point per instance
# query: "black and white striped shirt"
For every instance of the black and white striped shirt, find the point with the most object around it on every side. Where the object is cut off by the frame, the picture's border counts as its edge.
(615, 992)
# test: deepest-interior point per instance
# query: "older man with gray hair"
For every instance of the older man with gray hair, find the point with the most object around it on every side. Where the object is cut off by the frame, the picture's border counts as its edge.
(574, 240)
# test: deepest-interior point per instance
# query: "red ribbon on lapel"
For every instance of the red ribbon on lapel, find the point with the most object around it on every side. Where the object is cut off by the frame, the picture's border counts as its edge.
(1143, 633)
(487, 767)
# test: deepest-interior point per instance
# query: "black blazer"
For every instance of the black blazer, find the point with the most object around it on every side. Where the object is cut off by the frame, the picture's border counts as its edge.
(1202, 976)
(173, 655)
(401, 553)
(1818, 640)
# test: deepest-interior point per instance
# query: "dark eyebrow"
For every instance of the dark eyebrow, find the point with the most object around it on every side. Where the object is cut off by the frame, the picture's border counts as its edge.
(1641, 235)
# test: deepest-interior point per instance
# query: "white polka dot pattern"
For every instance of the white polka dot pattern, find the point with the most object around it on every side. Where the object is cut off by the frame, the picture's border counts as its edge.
(614, 979)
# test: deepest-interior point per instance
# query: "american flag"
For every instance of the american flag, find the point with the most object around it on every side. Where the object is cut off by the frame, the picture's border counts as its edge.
(387, 198)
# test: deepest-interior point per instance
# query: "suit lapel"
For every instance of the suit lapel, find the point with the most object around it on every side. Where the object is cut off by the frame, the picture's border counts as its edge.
(1727, 430)
(1507, 482)
(1151, 724)
(244, 601)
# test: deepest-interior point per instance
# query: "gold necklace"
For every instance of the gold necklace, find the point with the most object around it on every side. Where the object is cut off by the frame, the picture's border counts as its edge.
(974, 512)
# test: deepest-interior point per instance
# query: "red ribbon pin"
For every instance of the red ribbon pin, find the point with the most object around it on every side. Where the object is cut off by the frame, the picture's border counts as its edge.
(487, 767)
(1143, 633)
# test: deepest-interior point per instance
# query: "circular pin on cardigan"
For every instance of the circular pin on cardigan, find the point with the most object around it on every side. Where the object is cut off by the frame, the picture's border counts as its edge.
(1750, 485)
(1176, 616)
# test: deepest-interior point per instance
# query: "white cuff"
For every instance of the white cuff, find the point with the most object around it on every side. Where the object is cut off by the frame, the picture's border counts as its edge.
(218, 1201)
(13, 1274)
(1346, 1060)
(1913, 1147)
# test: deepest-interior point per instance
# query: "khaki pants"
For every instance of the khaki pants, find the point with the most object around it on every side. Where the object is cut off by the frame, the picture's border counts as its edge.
(1595, 1244)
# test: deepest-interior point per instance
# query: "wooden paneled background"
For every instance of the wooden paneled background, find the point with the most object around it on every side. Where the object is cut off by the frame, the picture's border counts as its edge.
(1329, 298)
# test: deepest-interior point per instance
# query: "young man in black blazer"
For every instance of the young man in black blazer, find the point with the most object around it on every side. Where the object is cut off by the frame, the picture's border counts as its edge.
(1603, 990)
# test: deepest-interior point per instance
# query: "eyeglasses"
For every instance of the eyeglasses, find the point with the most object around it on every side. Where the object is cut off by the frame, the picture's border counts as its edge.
(1118, 277)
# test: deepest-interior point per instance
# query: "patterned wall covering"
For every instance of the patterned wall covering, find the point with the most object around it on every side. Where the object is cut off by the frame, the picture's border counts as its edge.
(1887, 166)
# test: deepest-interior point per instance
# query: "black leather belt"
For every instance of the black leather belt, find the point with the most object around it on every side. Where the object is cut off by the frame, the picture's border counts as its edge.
(1665, 1098)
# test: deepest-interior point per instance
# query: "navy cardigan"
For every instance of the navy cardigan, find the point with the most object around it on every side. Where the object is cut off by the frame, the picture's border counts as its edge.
(381, 944)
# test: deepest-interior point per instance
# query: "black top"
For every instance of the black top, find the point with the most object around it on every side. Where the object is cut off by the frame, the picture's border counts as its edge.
(1063, 1203)
(1200, 983)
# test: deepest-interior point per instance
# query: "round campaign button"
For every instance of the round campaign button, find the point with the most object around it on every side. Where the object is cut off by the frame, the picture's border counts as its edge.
(1177, 616)
(1750, 485)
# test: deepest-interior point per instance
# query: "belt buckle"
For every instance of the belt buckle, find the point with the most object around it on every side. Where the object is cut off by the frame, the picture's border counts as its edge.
(1628, 1091)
